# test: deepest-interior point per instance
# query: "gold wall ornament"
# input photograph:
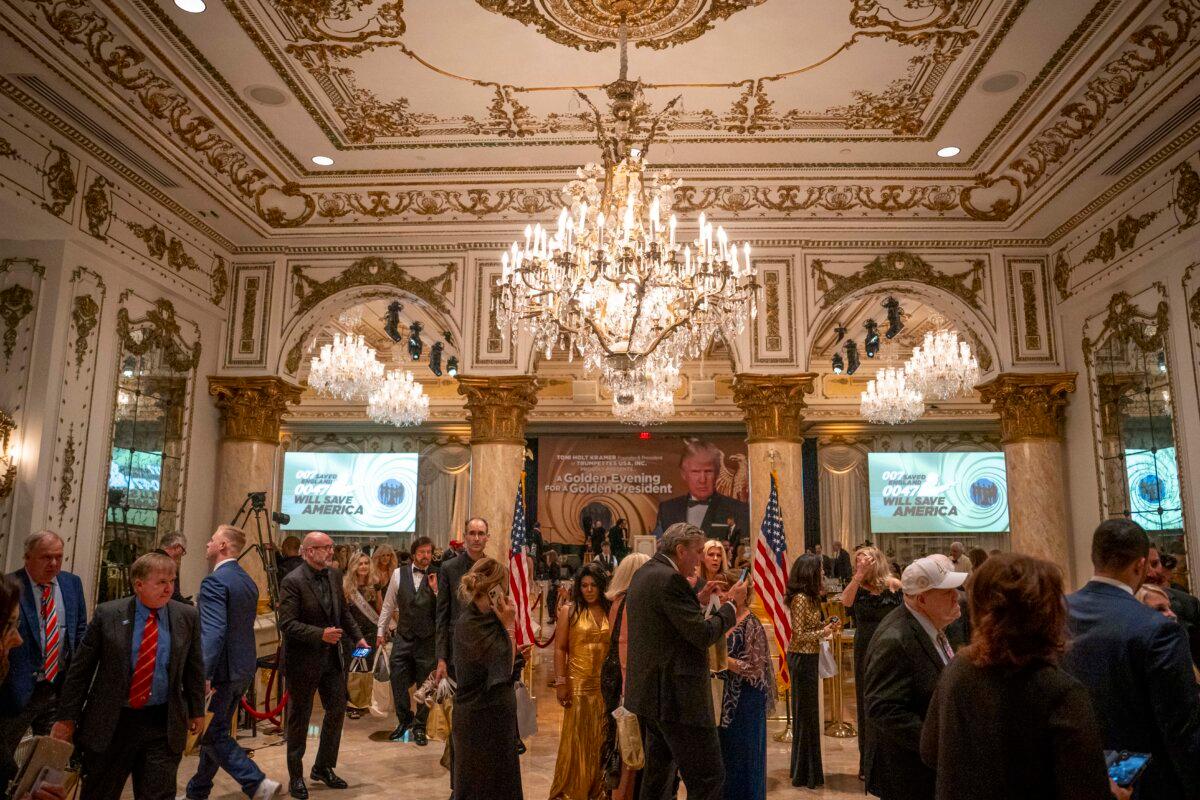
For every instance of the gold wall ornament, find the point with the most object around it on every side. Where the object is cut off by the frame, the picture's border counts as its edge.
(85, 315)
(59, 176)
(16, 303)
(252, 408)
(498, 407)
(154, 237)
(97, 207)
(374, 270)
(1122, 237)
(897, 109)
(1124, 320)
(220, 281)
(6, 149)
(1062, 275)
(158, 329)
(1031, 405)
(1187, 194)
(178, 258)
(900, 266)
(773, 404)
(66, 474)
(8, 460)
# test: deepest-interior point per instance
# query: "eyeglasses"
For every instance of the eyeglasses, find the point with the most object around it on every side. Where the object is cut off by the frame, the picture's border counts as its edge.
(320, 547)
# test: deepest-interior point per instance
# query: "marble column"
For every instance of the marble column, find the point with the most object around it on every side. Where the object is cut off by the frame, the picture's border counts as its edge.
(497, 408)
(251, 410)
(1031, 408)
(774, 409)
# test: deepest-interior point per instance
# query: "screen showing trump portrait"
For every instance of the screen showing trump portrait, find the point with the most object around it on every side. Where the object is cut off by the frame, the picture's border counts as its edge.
(350, 491)
(938, 493)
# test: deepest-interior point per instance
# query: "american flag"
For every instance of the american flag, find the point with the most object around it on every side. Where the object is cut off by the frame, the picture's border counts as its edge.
(770, 575)
(520, 569)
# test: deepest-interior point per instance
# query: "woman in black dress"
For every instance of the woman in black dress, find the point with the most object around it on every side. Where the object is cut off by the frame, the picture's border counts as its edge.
(803, 654)
(483, 727)
(869, 597)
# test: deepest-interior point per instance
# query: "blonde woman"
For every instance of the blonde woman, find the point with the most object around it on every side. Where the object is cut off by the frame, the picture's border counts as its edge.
(617, 620)
(869, 597)
(483, 728)
(360, 597)
(383, 564)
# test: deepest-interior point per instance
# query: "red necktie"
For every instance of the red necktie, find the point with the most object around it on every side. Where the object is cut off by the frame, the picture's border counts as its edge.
(50, 633)
(143, 671)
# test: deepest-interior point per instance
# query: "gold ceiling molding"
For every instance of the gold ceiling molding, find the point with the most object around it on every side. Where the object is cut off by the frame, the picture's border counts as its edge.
(1031, 405)
(85, 314)
(498, 407)
(1127, 321)
(374, 270)
(773, 404)
(1122, 236)
(900, 266)
(252, 408)
(1062, 275)
(1154, 46)
(1187, 194)
(158, 330)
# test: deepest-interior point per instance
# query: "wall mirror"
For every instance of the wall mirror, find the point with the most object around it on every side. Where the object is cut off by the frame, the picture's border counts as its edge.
(149, 442)
(1130, 375)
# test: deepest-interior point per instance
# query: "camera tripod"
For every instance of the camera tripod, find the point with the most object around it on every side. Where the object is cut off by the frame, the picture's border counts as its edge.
(255, 505)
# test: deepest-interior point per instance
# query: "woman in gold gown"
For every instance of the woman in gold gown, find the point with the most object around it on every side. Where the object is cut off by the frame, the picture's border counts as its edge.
(581, 643)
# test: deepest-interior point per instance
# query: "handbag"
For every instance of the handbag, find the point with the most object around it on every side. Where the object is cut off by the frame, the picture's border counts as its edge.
(827, 665)
(629, 739)
(612, 683)
(526, 712)
(381, 702)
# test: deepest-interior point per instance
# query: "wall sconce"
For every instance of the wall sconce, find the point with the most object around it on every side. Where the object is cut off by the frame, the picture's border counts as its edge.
(8, 456)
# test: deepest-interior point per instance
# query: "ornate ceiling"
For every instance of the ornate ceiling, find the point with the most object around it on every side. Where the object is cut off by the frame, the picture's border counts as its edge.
(817, 111)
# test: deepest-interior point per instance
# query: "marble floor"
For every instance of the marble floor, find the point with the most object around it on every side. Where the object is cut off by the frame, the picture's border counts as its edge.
(377, 768)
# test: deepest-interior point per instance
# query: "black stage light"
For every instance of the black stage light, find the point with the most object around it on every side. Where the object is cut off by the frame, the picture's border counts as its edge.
(851, 357)
(452, 366)
(415, 346)
(391, 324)
(895, 323)
(871, 341)
(435, 358)
(838, 364)
(840, 330)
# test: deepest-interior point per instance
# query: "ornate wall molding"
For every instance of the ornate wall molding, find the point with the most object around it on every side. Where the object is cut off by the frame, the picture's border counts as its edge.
(498, 407)
(158, 329)
(21, 283)
(1030, 405)
(252, 408)
(773, 404)
(1125, 320)
(246, 338)
(900, 266)
(1121, 236)
(373, 270)
(1187, 194)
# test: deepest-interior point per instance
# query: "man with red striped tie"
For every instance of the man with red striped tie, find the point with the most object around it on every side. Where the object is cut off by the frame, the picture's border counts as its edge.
(53, 619)
(135, 688)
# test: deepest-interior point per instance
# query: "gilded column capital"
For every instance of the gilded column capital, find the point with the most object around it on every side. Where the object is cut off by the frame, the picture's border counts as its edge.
(252, 407)
(1030, 404)
(497, 406)
(773, 404)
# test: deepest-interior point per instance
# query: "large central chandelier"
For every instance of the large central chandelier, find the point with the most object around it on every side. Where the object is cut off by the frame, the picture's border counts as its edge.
(346, 368)
(890, 400)
(614, 283)
(399, 400)
(648, 397)
(942, 367)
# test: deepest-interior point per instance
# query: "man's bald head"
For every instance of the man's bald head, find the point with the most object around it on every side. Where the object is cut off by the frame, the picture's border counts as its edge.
(316, 549)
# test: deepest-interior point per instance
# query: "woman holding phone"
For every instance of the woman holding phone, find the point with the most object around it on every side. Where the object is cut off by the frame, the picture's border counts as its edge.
(483, 727)
(749, 695)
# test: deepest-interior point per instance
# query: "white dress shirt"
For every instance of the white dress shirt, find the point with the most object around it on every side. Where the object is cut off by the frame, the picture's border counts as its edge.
(1112, 582)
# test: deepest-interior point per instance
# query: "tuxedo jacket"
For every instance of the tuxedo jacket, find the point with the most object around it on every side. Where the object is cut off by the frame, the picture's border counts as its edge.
(449, 607)
(303, 620)
(25, 661)
(416, 609)
(667, 677)
(720, 508)
(97, 685)
(228, 603)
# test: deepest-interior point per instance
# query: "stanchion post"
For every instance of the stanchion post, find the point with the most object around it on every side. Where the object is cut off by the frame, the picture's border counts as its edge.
(786, 734)
(838, 728)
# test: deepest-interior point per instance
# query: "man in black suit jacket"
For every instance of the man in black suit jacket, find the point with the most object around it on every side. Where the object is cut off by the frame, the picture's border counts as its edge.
(1136, 666)
(840, 566)
(449, 607)
(135, 688)
(313, 619)
(702, 506)
(904, 660)
(412, 591)
(668, 681)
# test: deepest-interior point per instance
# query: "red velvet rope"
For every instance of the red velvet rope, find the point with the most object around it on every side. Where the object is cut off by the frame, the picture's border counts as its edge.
(272, 715)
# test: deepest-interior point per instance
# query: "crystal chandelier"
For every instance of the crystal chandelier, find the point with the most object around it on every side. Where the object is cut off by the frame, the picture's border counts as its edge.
(346, 368)
(942, 366)
(400, 400)
(647, 398)
(614, 283)
(890, 400)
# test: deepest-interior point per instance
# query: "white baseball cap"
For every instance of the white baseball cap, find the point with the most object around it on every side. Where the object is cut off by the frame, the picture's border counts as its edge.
(931, 572)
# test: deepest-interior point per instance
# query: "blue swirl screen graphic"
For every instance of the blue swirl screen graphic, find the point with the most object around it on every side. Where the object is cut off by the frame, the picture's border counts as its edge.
(1154, 501)
(945, 493)
(370, 492)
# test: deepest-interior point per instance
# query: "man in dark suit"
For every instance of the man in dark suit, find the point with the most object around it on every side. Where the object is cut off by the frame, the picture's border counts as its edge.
(840, 566)
(904, 660)
(449, 607)
(1185, 606)
(53, 621)
(412, 592)
(702, 506)
(668, 683)
(313, 619)
(174, 545)
(228, 607)
(618, 539)
(1136, 666)
(135, 688)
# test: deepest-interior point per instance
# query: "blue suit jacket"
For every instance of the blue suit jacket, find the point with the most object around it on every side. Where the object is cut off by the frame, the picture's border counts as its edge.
(1136, 666)
(228, 603)
(26, 660)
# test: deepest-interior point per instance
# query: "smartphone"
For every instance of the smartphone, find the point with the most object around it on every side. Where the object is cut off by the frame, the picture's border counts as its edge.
(1124, 767)
(745, 574)
(494, 594)
(361, 652)
(834, 620)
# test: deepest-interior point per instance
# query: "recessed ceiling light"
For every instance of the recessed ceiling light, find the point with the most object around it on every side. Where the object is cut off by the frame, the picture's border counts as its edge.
(322, 161)
(946, 152)
(191, 6)
(1002, 82)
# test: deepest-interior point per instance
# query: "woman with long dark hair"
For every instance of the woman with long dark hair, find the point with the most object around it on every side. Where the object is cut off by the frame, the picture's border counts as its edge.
(803, 658)
(1005, 721)
(581, 643)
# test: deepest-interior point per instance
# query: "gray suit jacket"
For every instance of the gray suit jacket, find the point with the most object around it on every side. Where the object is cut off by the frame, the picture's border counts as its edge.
(97, 684)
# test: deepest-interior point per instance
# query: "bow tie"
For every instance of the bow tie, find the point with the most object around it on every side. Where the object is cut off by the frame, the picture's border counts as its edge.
(418, 570)
(694, 502)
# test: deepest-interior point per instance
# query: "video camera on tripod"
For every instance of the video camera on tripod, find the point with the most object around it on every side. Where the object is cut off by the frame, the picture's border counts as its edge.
(255, 505)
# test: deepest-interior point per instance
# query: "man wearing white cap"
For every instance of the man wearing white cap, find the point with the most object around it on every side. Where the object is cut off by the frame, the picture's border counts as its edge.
(904, 660)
